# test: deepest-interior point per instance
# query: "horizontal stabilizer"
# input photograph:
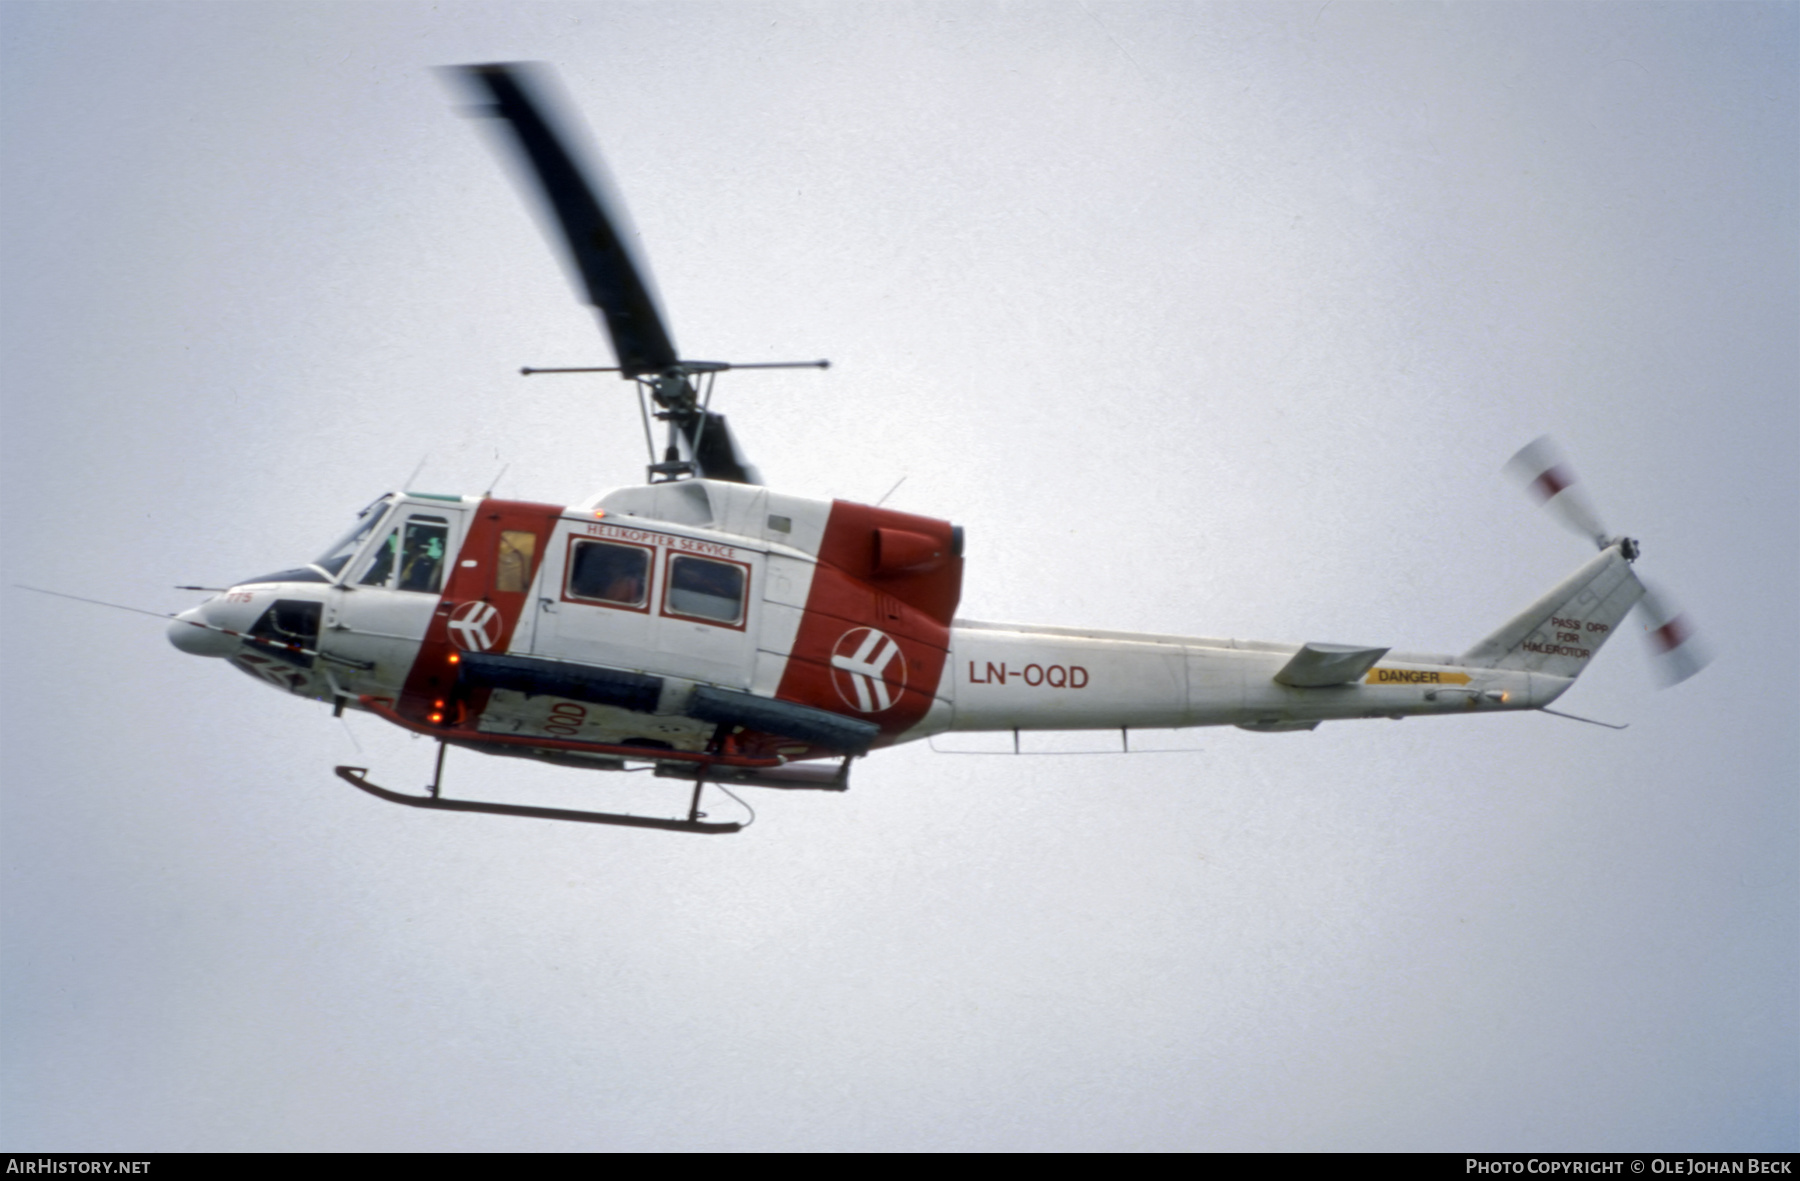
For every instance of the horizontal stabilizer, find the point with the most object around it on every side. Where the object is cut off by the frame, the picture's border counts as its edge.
(1318, 665)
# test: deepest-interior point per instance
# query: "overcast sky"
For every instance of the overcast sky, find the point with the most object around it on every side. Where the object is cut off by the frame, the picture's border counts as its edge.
(1207, 319)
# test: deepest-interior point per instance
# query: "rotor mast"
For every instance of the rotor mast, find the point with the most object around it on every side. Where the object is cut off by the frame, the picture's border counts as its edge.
(681, 394)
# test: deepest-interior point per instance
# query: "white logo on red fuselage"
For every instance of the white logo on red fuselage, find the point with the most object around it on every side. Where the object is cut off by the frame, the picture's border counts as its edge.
(476, 626)
(868, 669)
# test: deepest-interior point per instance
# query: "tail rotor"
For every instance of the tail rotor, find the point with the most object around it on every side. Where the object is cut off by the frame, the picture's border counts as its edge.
(1675, 648)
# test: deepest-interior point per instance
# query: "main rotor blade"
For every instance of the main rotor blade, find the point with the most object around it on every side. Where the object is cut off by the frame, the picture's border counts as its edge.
(715, 451)
(614, 282)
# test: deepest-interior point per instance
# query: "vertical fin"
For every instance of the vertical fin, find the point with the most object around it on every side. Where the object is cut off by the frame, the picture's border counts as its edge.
(1560, 632)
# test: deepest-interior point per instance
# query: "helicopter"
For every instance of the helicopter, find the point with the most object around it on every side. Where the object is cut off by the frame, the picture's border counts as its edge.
(720, 633)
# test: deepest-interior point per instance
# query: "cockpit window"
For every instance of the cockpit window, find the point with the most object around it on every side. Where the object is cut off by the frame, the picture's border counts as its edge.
(346, 546)
(416, 551)
(381, 569)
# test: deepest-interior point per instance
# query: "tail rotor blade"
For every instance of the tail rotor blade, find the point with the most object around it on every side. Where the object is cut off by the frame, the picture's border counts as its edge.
(1675, 647)
(1539, 466)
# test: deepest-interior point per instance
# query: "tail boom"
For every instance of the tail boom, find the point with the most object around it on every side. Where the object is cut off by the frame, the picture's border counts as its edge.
(1007, 676)
(1004, 676)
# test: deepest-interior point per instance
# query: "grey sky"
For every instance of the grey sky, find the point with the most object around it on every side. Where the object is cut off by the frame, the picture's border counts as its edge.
(1204, 319)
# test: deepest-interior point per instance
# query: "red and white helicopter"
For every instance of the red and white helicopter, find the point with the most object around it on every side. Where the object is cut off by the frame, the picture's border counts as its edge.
(724, 633)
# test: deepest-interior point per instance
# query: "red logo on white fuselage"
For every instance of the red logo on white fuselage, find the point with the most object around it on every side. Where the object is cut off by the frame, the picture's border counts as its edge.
(868, 669)
(476, 626)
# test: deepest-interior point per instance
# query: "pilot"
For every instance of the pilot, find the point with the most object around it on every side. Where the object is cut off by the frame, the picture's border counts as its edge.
(423, 565)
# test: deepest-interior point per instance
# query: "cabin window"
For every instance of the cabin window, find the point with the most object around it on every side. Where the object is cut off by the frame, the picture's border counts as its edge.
(512, 571)
(617, 574)
(417, 549)
(705, 589)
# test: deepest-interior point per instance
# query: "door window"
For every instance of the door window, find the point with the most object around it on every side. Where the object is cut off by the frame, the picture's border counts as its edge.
(513, 570)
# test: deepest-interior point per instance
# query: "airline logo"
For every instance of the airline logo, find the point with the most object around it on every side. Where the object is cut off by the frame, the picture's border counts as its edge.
(868, 669)
(476, 626)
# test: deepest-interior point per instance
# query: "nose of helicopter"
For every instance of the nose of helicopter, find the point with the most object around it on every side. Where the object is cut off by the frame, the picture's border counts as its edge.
(189, 633)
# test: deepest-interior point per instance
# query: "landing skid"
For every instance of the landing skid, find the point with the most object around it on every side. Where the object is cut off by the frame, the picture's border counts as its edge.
(358, 777)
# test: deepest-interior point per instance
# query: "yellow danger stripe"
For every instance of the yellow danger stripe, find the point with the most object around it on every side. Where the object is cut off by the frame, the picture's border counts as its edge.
(1411, 676)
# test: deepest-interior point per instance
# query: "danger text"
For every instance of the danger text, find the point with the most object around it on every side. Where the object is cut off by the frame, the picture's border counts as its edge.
(1413, 676)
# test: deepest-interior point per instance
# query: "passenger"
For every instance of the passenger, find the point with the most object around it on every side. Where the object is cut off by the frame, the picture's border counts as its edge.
(627, 586)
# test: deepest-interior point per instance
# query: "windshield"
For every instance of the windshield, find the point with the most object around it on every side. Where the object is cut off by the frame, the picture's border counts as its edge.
(345, 547)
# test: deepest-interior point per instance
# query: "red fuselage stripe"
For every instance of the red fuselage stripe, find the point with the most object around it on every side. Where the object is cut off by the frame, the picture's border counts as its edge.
(433, 674)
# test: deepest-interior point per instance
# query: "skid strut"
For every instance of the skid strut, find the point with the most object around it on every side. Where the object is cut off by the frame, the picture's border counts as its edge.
(358, 777)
